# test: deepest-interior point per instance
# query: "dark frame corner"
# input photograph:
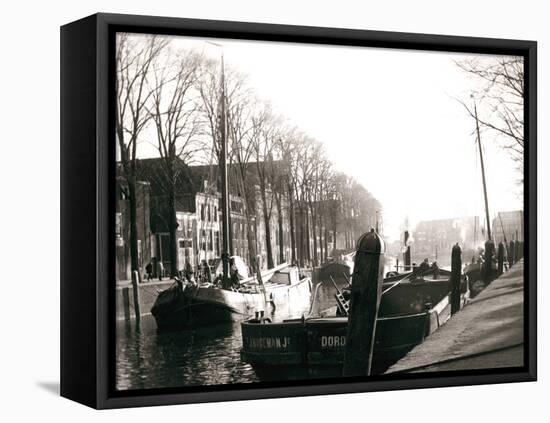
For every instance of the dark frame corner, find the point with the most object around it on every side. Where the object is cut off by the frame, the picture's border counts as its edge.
(87, 175)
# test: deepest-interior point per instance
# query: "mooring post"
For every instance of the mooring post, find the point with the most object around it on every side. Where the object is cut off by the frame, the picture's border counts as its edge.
(512, 253)
(456, 274)
(366, 291)
(500, 258)
(427, 309)
(126, 303)
(135, 289)
(488, 264)
(519, 251)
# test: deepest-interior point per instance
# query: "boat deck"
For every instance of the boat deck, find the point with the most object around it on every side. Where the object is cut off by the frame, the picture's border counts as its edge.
(487, 333)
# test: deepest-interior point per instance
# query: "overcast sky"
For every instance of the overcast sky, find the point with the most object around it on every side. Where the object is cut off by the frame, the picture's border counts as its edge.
(387, 117)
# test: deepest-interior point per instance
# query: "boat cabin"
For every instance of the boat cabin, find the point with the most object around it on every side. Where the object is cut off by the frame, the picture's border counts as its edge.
(286, 276)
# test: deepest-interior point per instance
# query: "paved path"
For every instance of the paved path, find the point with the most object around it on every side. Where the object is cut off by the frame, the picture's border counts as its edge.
(487, 333)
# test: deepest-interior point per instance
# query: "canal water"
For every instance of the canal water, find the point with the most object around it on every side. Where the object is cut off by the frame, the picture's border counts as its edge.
(204, 356)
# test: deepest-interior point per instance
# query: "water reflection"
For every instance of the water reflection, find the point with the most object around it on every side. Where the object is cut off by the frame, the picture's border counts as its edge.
(206, 356)
(203, 356)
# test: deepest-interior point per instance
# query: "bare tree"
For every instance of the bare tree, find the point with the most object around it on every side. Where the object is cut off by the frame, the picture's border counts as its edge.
(304, 165)
(134, 58)
(323, 204)
(355, 209)
(332, 210)
(236, 93)
(501, 96)
(240, 128)
(272, 166)
(288, 145)
(278, 181)
(264, 137)
(238, 111)
(173, 108)
(318, 170)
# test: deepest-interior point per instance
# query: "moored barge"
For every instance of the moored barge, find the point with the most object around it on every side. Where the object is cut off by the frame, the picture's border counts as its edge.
(283, 291)
(314, 347)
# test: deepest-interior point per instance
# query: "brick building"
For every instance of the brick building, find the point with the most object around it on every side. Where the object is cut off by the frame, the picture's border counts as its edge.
(197, 206)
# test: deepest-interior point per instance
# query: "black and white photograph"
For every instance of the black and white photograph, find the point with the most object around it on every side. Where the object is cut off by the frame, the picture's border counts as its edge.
(295, 212)
(275, 212)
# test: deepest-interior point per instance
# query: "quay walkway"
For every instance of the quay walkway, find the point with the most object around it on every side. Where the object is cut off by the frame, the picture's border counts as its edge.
(487, 333)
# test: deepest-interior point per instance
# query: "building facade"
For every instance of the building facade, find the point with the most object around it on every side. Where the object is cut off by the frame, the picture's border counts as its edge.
(434, 239)
(123, 263)
(198, 215)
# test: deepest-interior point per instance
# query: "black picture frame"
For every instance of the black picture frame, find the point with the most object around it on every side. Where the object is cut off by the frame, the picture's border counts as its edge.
(87, 217)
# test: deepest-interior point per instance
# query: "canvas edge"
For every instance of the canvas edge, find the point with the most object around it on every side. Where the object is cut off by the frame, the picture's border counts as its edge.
(103, 397)
(78, 311)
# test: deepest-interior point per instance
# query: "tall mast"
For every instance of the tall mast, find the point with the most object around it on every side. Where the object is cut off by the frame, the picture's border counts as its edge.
(483, 175)
(224, 182)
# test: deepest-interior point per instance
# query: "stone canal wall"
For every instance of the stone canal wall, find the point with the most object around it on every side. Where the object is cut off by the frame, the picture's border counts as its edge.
(148, 291)
(486, 333)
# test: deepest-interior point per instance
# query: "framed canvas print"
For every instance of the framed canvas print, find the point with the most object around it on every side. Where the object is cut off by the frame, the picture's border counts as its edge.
(255, 210)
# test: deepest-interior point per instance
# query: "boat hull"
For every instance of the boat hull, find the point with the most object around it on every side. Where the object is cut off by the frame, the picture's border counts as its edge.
(315, 347)
(199, 305)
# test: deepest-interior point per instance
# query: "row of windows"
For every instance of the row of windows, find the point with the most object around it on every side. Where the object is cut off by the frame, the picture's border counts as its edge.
(206, 243)
(209, 213)
(185, 226)
(185, 243)
(236, 206)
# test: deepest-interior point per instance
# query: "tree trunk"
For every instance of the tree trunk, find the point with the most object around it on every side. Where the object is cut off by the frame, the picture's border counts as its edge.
(250, 238)
(247, 195)
(314, 235)
(269, 250)
(334, 230)
(307, 237)
(321, 258)
(281, 232)
(172, 230)
(300, 229)
(292, 227)
(326, 241)
(132, 196)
